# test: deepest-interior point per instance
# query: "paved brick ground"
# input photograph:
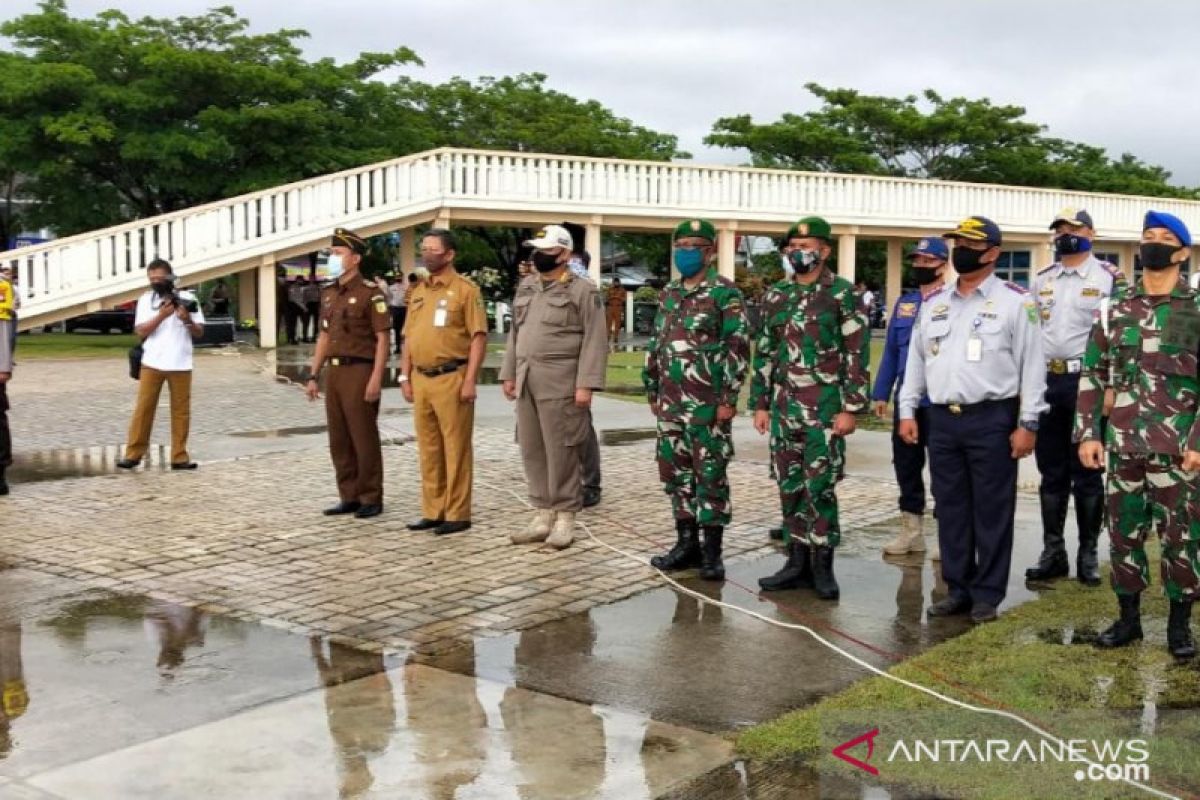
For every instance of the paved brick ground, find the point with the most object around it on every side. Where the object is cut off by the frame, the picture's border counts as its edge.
(244, 536)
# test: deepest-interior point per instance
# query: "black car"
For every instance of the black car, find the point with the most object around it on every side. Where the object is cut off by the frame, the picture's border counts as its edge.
(119, 319)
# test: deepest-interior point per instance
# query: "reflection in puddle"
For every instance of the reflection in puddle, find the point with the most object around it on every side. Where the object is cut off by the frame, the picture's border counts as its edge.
(615, 437)
(282, 433)
(488, 376)
(80, 462)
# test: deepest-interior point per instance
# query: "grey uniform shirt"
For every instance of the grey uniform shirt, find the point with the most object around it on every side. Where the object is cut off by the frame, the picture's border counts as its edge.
(1069, 301)
(558, 342)
(1004, 318)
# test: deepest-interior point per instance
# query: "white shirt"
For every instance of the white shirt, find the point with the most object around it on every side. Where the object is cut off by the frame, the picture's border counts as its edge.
(1070, 300)
(169, 348)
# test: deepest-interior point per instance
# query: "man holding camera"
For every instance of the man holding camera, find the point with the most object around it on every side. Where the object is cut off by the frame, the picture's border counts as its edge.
(166, 321)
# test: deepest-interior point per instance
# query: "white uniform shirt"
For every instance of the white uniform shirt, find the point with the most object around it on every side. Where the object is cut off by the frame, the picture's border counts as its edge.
(169, 348)
(1069, 302)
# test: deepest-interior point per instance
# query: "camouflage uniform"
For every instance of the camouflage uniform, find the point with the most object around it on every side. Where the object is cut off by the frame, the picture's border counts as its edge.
(696, 360)
(1146, 350)
(810, 364)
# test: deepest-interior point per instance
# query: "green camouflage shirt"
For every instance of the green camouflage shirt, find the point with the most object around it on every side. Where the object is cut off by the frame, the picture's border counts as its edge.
(699, 350)
(1146, 351)
(811, 351)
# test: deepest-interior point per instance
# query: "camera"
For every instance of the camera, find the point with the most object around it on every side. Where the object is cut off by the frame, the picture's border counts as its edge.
(166, 291)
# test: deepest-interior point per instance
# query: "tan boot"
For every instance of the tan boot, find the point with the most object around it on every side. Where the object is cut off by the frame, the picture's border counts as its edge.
(538, 528)
(909, 539)
(564, 530)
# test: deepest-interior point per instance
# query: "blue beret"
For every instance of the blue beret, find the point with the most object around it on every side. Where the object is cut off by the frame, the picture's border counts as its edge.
(1161, 219)
(931, 247)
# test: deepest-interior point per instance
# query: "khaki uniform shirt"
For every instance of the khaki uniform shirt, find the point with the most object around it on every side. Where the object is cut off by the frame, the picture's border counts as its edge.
(351, 314)
(558, 340)
(435, 338)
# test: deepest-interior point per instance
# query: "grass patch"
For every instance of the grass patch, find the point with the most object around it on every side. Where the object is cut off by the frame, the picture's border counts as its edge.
(1019, 663)
(73, 345)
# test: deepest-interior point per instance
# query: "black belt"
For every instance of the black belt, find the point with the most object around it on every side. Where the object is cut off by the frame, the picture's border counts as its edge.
(959, 409)
(345, 361)
(441, 369)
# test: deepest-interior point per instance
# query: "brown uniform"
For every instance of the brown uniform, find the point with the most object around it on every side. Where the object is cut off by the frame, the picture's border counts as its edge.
(616, 310)
(556, 345)
(445, 313)
(351, 314)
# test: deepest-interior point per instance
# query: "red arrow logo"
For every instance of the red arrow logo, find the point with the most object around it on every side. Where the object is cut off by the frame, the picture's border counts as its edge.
(869, 738)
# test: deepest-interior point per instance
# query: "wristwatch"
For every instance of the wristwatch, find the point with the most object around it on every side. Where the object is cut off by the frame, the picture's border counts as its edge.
(1030, 425)
(308, 376)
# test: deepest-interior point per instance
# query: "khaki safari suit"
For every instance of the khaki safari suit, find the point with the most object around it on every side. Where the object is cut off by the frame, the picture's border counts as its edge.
(351, 314)
(556, 345)
(445, 312)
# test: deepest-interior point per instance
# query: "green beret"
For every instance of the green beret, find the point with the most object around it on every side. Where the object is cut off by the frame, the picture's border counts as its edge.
(815, 227)
(344, 237)
(696, 227)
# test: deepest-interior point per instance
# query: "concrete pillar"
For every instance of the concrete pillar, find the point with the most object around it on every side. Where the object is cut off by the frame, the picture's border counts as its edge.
(1042, 256)
(895, 273)
(443, 219)
(1127, 253)
(268, 319)
(591, 243)
(408, 251)
(847, 244)
(629, 311)
(726, 253)
(247, 299)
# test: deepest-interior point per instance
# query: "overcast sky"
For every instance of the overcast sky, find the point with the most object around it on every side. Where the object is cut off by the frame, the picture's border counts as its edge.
(1115, 74)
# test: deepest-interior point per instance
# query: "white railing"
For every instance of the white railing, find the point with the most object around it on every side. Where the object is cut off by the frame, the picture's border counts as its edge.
(92, 266)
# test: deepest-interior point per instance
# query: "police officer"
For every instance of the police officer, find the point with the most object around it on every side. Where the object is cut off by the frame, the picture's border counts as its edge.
(1069, 293)
(977, 353)
(445, 340)
(696, 360)
(809, 381)
(1145, 346)
(555, 358)
(928, 262)
(8, 324)
(352, 349)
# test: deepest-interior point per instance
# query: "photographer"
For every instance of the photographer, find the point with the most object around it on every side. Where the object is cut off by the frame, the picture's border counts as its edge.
(166, 321)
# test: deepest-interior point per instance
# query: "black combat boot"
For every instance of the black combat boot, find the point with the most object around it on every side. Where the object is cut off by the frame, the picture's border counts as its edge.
(1128, 628)
(686, 552)
(796, 573)
(1179, 630)
(776, 534)
(1089, 516)
(711, 566)
(3, 481)
(823, 580)
(1053, 562)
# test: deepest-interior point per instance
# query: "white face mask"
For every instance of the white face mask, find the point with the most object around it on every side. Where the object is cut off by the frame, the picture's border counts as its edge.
(335, 267)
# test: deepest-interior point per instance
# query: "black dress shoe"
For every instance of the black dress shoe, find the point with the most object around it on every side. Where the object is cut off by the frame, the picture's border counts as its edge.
(3, 487)
(423, 524)
(983, 612)
(182, 465)
(950, 607)
(591, 497)
(128, 463)
(344, 507)
(452, 527)
(369, 510)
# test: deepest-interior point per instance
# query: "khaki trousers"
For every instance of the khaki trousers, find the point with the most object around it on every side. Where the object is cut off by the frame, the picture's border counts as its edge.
(354, 444)
(444, 426)
(150, 386)
(551, 434)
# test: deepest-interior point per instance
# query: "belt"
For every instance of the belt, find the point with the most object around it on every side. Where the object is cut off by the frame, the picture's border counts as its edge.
(959, 409)
(1064, 366)
(442, 369)
(345, 361)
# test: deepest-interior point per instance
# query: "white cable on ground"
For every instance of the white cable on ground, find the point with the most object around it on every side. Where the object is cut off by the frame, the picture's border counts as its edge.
(640, 560)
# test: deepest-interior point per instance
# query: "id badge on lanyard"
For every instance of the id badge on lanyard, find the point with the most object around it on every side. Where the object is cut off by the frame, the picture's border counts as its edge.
(439, 315)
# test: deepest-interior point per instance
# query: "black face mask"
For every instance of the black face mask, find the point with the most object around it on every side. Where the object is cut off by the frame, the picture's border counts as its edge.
(1069, 244)
(925, 275)
(162, 288)
(967, 261)
(1156, 256)
(545, 262)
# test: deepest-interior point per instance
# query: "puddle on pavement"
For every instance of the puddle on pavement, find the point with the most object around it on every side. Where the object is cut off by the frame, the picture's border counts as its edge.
(282, 433)
(102, 690)
(616, 437)
(81, 462)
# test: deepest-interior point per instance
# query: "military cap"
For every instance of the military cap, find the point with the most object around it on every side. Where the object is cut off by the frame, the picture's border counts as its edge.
(1161, 219)
(815, 227)
(696, 227)
(977, 229)
(1073, 216)
(931, 247)
(344, 237)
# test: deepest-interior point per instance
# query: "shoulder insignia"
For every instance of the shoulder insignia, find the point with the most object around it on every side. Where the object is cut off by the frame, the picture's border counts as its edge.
(1031, 311)
(1016, 287)
(906, 310)
(1113, 270)
(380, 305)
(1044, 270)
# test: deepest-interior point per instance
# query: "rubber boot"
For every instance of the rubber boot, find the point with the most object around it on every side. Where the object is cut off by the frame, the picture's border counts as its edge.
(1128, 628)
(910, 539)
(538, 528)
(563, 532)
(1053, 562)
(686, 552)
(823, 581)
(711, 566)
(1179, 630)
(1089, 516)
(796, 573)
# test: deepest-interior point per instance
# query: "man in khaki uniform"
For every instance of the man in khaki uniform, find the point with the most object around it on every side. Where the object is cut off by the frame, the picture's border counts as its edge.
(353, 343)
(555, 359)
(445, 338)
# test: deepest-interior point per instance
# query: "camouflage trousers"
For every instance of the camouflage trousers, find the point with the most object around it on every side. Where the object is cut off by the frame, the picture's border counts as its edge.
(1153, 489)
(807, 462)
(692, 465)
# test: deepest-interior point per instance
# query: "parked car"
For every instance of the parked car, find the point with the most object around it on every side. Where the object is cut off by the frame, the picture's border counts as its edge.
(119, 319)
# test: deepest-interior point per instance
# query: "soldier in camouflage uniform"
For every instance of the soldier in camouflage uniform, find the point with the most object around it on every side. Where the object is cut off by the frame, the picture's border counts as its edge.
(1145, 347)
(696, 361)
(809, 380)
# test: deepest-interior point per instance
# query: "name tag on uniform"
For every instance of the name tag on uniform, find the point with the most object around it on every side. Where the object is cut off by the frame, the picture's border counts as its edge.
(1090, 291)
(439, 315)
(975, 349)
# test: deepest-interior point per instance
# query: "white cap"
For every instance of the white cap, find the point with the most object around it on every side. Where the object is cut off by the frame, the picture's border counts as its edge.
(552, 236)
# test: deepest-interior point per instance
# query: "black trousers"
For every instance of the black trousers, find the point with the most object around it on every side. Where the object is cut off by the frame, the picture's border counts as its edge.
(1058, 456)
(399, 314)
(975, 483)
(908, 460)
(6, 458)
(293, 315)
(312, 320)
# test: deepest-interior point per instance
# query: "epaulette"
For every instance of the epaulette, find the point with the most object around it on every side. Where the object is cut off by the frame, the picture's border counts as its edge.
(1016, 287)
(468, 281)
(940, 290)
(1113, 270)
(1044, 270)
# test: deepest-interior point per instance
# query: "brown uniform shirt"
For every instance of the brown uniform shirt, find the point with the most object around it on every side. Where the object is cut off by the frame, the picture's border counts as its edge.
(351, 315)
(431, 344)
(558, 337)
(616, 298)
